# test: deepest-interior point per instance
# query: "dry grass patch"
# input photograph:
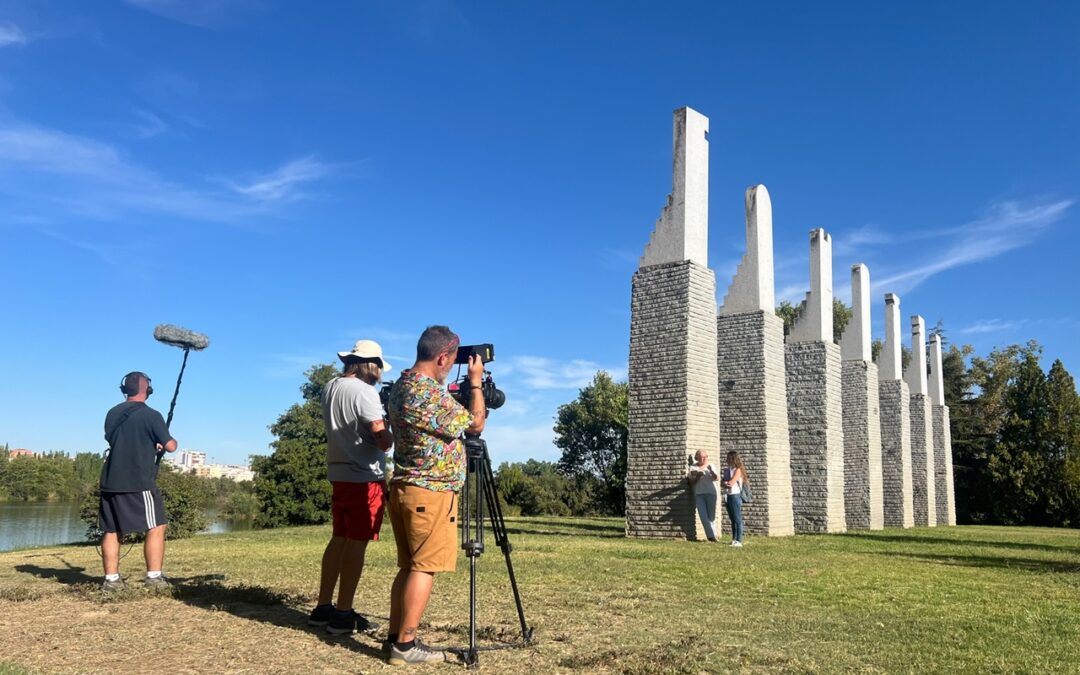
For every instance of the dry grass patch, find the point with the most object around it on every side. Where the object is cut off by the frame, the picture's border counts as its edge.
(959, 599)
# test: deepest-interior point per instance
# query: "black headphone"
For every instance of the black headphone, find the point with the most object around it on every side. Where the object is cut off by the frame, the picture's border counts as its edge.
(130, 384)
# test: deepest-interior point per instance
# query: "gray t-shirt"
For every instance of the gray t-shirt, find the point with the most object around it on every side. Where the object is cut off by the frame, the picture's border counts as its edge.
(350, 405)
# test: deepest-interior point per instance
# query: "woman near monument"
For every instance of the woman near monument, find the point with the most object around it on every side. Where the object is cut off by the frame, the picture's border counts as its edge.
(734, 479)
(703, 477)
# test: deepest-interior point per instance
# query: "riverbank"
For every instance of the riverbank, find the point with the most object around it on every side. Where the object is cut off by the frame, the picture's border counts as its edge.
(969, 599)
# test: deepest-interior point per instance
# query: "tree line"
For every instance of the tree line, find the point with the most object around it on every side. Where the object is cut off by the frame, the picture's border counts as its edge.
(1015, 439)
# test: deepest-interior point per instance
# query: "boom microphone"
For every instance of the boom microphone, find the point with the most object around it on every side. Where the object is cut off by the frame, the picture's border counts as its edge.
(180, 337)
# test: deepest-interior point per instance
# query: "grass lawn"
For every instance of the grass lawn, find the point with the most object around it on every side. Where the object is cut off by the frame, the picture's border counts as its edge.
(965, 599)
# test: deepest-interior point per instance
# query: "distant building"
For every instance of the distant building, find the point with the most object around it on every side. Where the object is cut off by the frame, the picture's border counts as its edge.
(20, 452)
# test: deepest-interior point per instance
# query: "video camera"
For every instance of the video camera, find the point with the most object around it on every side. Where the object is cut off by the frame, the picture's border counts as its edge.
(460, 389)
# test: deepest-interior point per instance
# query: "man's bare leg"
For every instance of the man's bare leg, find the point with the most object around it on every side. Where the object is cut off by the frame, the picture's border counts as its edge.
(110, 552)
(154, 548)
(415, 593)
(352, 565)
(331, 569)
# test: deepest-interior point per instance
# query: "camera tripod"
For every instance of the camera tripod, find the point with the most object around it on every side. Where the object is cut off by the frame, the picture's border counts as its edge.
(480, 491)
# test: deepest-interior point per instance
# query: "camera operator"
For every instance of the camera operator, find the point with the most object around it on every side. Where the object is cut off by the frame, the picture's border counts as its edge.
(429, 471)
(356, 445)
(130, 499)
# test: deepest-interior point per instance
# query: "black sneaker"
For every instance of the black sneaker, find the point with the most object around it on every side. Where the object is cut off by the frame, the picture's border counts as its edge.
(113, 586)
(321, 615)
(349, 622)
(420, 653)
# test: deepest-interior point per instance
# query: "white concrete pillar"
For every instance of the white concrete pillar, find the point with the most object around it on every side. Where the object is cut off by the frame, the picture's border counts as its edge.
(682, 232)
(855, 342)
(890, 365)
(916, 372)
(752, 289)
(814, 322)
(937, 383)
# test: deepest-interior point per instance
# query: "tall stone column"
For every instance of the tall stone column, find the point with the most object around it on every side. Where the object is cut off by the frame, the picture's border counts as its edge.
(814, 397)
(863, 499)
(922, 429)
(673, 379)
(895, 401)
(750, 365)
(943, 469)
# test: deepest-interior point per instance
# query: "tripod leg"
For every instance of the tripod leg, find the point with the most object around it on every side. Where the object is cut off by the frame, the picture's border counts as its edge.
(498, 527)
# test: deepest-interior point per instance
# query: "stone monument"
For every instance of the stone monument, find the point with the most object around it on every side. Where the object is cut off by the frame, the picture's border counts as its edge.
(814, 396)
(943, 466)
(863, 500)
(922, 429)
(750, 363)
(895, 402)
(673, 378)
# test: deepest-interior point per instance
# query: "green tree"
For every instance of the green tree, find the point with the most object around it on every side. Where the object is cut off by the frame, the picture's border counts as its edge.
(591, 431)
(537, 489)
(1063, 442)
(291, 483)
(185, 495)
(841, 317)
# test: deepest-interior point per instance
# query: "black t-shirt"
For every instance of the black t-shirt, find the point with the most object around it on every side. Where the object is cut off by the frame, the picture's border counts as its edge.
(133, 430)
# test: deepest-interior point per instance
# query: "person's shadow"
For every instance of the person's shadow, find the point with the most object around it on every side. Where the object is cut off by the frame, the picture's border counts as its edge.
(207, 591)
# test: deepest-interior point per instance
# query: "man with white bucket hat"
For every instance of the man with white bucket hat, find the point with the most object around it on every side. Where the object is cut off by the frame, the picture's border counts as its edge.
(356, 443)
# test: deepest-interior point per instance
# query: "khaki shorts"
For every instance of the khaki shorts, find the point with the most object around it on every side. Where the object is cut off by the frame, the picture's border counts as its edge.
(425, 528)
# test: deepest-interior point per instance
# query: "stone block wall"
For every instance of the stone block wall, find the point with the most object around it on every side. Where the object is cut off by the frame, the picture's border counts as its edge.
(863, 498)
(673, 395)
(753, 414)
(815, 425)
(897, 497)
(922, 461)
(946, 498)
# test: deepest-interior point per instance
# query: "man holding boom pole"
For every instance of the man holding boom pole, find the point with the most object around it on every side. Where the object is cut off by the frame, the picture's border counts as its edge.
(130, 499)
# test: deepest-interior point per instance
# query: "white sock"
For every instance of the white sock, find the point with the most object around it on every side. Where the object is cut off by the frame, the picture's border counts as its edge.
(112, 577)
(153, 575)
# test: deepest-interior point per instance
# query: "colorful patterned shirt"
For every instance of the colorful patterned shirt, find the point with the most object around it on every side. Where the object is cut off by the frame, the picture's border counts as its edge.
(427, 424)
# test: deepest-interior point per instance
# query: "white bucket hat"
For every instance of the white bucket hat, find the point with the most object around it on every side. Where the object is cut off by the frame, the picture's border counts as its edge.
(366, 349)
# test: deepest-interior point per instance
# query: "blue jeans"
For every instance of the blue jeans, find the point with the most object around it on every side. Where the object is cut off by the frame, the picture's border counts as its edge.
(734, 511)
(706, 510)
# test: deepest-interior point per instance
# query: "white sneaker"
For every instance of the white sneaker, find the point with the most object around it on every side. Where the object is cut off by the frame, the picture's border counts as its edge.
(736, 544)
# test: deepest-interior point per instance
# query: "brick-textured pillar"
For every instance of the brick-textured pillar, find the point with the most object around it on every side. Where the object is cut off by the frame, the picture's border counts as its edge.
(922, 430)
(863, 500)
(673, 395)
(943, 485)
(673, 399)
(750, 367)
(753, 414)
(814, 398)
(894, 404)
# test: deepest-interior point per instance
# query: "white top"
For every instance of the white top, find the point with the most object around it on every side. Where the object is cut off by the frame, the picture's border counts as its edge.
(350, 405)
(736, 487)
(706, 484)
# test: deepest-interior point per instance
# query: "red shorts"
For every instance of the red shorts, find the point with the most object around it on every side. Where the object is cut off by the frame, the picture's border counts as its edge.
(358, 509)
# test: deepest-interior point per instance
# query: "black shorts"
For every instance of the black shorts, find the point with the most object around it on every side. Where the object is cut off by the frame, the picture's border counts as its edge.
(124, 512)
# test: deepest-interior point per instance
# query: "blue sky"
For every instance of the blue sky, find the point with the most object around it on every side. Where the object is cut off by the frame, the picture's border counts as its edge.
(288, 180)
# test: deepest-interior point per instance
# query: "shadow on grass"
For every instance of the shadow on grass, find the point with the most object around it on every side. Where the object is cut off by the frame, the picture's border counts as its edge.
(915, 538)
(255, 603)
(1030, 564)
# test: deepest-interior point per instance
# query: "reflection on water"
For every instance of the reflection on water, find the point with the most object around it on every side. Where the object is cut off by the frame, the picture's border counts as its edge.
(30, 524)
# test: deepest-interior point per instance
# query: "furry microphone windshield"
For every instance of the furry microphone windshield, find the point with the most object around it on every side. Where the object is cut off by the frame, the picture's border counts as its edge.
(181, 337)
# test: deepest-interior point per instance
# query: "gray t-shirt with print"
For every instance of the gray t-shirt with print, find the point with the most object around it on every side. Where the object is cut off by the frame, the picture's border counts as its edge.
(350, 405)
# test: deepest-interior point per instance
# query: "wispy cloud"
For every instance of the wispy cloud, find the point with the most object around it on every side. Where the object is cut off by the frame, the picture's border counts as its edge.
(198, 13)
(539, 372)
(510, 443)
(50, 170)
(11, 35)
(992, 326)
(1007, 226)
(284, 183)
(148, 125)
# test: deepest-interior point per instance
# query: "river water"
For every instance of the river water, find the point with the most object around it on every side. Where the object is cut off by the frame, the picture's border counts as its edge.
(30, 524)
